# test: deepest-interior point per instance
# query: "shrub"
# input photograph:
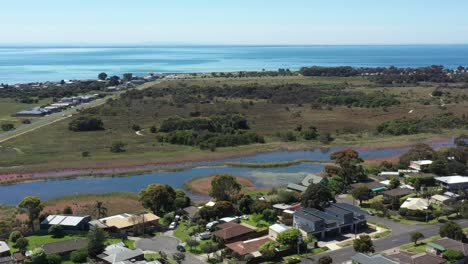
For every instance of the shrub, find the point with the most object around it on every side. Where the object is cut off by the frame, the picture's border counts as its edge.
(56, 231)
(453, 255)
(118, 147)
(79, 256)
(15, 235)
(86, 124)
(54, 259)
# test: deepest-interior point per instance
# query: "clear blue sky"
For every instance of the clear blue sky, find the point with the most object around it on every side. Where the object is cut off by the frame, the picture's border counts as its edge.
(234, 22)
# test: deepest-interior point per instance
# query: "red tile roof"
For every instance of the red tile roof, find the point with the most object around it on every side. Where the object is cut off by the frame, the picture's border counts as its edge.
(249, 246)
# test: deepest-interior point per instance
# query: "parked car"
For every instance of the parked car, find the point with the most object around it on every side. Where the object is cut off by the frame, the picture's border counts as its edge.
(211, 225)
(177, 218)
(244, 217)
(173, 225)
(180, 248)
(204, 235)
(369, 212)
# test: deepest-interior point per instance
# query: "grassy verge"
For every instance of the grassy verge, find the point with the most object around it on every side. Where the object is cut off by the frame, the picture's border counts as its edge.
(299, 257)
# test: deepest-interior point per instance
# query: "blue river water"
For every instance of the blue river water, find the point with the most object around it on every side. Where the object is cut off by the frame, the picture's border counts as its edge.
(261, 177)
(28, 64)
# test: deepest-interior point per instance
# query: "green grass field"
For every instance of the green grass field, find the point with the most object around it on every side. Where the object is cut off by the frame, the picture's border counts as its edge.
(9, 106)
(55, 147)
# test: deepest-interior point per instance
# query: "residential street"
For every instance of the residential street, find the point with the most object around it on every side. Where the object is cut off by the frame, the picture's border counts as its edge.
(398, 237)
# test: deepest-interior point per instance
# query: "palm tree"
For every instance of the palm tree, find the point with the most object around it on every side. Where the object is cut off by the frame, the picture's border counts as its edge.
(100, 209)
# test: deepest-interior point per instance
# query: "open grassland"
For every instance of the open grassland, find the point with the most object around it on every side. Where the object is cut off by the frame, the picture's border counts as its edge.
(56, 148)
(83, 204)
(9, 106)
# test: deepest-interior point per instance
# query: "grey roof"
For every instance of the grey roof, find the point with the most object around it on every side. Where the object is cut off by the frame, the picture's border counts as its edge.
(139, 262)
(348, 207)
(302, 213)
(337, 210)
(323, 215)
(121, 254)
(376, 259)
(311, 179)
(296, 187)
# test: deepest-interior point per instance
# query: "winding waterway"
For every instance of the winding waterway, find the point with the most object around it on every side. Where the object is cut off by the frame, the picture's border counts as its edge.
(261, 177)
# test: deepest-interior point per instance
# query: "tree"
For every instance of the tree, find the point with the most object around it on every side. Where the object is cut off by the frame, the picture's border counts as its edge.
(102, 76)
(15, 235)
(208, 248)
(394, 182)
(79, 256)
(361, 193)
(451, 230)
(158, 198)
(415, 236)
(452, 255)
(325, 260)
(33, 207)
(100, 209)
(178, 257)
(245, 203)
(379, 206)
(325, 138)
(54, 259)
(269, 215)
(289, 237)
(38, 256)
(224, 187)
(268, 250)
(182, 200)
(224, 209)
(56, 231)
(363, 244)
(7, 127)
(316, 196)
(84, 123)
(117, 147)
(417, 152)
(350, 164)
(336, 184)
(96, 241)
(114, 80)
(464, 209)
(191, 243)
(21, 244)
(68, 210)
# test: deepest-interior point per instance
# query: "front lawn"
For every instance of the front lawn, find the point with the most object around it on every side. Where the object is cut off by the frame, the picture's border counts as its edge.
(39, 240)
(256, 220)
(183, 232)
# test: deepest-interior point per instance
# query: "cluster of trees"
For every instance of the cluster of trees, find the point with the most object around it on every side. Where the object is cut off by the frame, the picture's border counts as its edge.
(392, 75)
(409, 126)
(162, 199)
(208, 133)
(358, 99)
(216, 124)
(444, 162)
(85, 123)
(264, 73)
(7, 126)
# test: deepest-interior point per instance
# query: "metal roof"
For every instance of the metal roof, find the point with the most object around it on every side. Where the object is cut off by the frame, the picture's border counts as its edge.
(452, 179)
(348, 207)
(327, 217)
(302, 213)
(4, 247)
(63, 220)
(376, 259)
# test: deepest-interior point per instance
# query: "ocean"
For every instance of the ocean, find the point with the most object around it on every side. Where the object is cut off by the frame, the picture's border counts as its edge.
(31, 64)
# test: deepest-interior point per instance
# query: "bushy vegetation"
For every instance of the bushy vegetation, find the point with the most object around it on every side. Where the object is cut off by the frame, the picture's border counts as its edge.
(85, 123)
(27, 95)
(409, 126)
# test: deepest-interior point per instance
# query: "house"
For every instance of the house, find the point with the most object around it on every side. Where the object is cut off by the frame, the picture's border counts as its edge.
(249, 246)
(4, 249)
(64, 247)
(336, 219)
(386, 174)
(33, 112)
(126, 223)
(191, 212)
(405, 257)
(374, 186)
(453, 183)
(276, 229)
(420, 164)
(67, 222)
(396, 194)
(232, 232)
(415, 204)
(440, 199)
(311, 179)
(438, 247)
(361, 258)
(296, 187)
(121, 254)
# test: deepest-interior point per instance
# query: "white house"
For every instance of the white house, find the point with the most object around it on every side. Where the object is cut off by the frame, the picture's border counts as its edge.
(415, 204)
(276, 229)
(453, 183)
(420, 164)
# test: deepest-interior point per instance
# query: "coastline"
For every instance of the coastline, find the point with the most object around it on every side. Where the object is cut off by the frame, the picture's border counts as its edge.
(54, 175)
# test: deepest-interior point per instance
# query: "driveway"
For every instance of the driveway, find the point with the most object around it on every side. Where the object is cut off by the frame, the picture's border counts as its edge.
(166, 244)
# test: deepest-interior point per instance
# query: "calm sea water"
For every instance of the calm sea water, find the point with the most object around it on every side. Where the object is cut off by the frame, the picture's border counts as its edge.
(53, 64)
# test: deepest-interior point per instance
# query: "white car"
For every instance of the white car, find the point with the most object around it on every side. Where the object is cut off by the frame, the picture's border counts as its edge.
(210, 225)
(173, 225)
(205, 235)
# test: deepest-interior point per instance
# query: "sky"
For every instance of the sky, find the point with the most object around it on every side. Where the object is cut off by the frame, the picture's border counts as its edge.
(246, 22)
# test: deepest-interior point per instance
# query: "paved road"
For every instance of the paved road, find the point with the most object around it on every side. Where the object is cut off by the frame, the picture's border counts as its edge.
(166, 244)
(398, 237)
